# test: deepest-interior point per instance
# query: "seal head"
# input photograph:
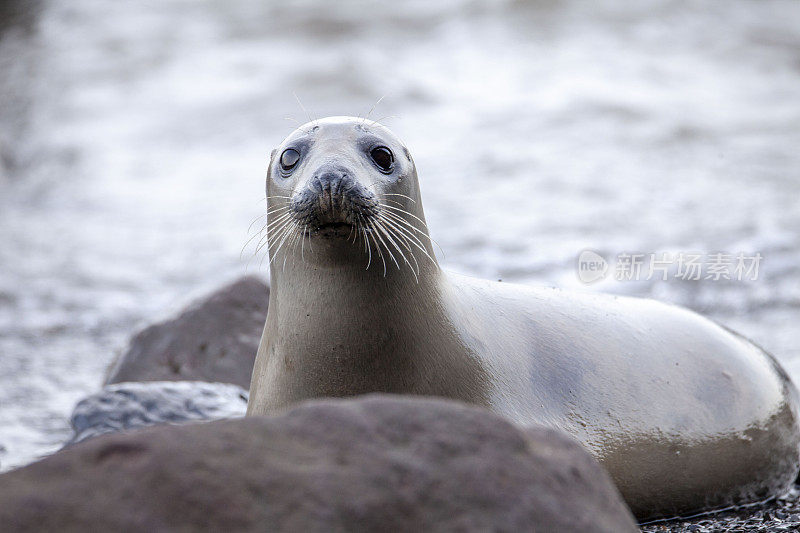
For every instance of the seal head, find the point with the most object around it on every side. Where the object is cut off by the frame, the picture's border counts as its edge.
(345, 180)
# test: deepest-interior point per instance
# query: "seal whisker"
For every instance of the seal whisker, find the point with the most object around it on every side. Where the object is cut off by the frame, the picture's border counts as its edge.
(276, 233)
(398, 232)
(371, 109)
(367, 247)
(258, 234)
(398, 218)
(293, 240)
(255, 252)
(262, 242)
(273, 236)
(388, 235)
(433, 241)
(388, 250)
(413, 240)
(282, 204)
(416, 229)
(277, 209)
(280, 218)
(259, 217)
(303, 243)
(405, 212)
(285, 218)
(276, 216)
(288, 231)
(392, 235)
(267, 214)
(377, 247)
(382, 229)
(398, 194)
(292, 246)
(380, 120)
(403, 239)
(310, 243)
(406, 223)
(304, 108)
(303, 246)
(300, 234)
(395, 202)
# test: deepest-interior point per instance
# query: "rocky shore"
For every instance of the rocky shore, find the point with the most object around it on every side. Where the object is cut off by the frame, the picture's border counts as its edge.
(782, 514)
(374, 463)
(214, 339)
(371, 463)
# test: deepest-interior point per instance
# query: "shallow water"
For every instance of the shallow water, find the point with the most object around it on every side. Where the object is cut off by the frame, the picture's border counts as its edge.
(134, 139)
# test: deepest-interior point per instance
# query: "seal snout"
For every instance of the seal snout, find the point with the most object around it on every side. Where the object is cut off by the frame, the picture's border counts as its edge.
(334, 199)
(330, 187)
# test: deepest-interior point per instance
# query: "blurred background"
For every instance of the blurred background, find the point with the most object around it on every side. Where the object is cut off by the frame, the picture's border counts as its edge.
(134, 139)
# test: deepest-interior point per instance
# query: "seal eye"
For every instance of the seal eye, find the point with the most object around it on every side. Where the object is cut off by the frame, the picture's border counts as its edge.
(289, 159)
(383, 158)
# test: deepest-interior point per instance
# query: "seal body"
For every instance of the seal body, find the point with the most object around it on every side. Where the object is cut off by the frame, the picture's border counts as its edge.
(685, 415)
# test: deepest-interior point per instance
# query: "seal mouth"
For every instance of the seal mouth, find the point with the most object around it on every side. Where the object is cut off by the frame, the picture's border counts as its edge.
(334, 207)
(334, 229)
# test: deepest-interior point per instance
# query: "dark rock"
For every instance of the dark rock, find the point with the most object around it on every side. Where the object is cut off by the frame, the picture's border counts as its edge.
(126, 406)
(375, 463)
(215, 339)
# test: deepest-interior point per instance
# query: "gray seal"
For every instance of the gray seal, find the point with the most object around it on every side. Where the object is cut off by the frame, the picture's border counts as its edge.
(685, 415)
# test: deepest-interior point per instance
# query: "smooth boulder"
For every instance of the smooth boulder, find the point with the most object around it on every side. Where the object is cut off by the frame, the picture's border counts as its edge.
(214, 339)
(129, 406)
(375, 463)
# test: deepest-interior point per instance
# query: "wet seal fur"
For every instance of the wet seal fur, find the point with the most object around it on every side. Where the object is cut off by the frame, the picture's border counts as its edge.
(685, 415)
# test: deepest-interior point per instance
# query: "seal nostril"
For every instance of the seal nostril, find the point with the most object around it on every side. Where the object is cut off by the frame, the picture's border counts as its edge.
(336, 186)
(316, 185)
(331, 181)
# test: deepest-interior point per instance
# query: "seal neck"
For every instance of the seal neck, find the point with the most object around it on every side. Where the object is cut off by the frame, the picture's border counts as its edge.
(337, 280)
(338, 329)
